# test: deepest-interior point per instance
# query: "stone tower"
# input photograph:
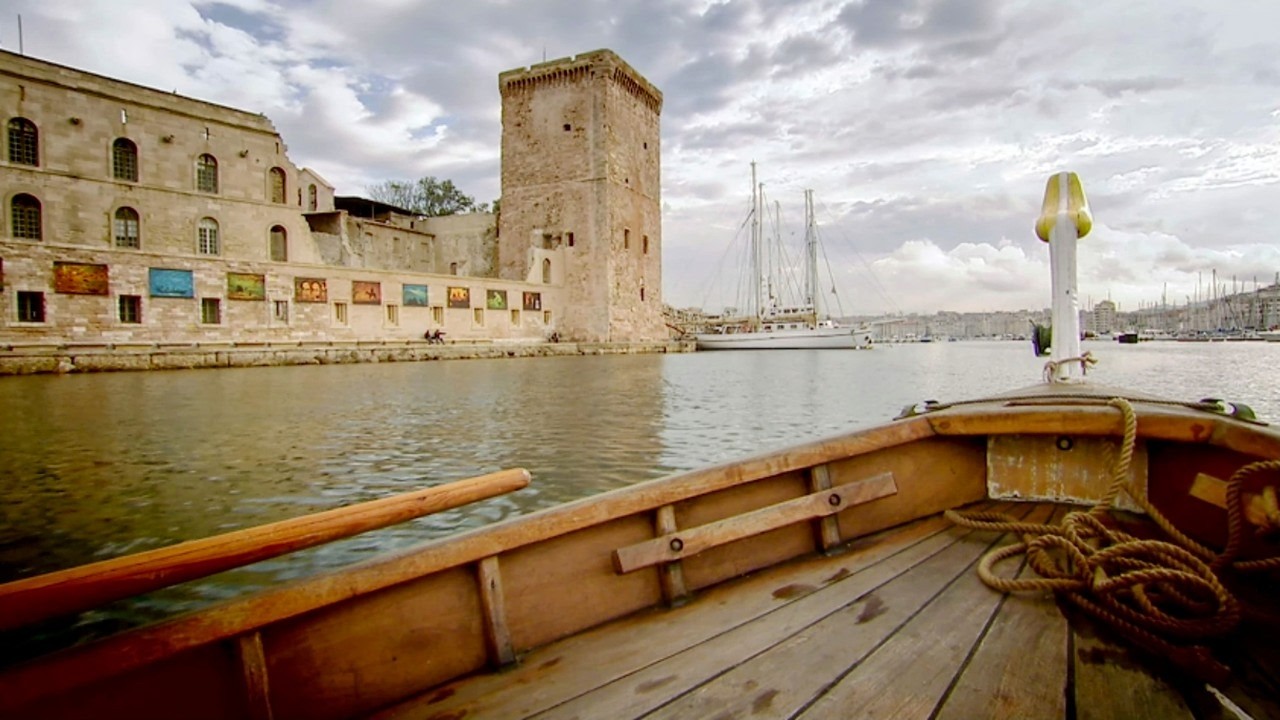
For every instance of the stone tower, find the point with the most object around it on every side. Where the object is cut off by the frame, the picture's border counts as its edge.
(581, 193)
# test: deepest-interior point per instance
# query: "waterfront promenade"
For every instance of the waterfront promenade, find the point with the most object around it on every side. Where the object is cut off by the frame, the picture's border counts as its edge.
(40, 358)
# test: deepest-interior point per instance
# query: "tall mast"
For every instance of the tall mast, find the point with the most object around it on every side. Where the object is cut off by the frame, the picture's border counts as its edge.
(757, 265)
(811, 251)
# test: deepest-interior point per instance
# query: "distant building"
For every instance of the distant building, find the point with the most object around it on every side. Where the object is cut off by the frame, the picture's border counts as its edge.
(132, 215)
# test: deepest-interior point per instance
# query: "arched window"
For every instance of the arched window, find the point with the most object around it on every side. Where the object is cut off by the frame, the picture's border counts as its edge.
(25, 215)
(277, 185)
(546, 271)
(124, 160)
(125, 228)
(207, 173)
(453, 268)
(279, 243)
(208, 236)
(24, 142)
(311, 197)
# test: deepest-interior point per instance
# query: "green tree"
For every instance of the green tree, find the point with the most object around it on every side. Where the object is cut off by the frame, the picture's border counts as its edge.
(426, 196)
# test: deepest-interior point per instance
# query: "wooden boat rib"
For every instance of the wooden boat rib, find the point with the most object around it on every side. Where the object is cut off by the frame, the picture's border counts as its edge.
(814, 581)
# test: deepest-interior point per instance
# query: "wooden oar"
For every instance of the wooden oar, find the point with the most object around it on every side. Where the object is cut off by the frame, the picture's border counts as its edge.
(81, 588)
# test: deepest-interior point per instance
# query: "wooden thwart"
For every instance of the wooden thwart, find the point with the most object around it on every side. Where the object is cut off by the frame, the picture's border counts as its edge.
(1214, 491)
(679, 545)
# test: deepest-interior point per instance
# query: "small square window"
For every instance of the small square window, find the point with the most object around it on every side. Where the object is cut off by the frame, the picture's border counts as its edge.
(393, 315)
(30, 307)
(281, 311)
(131, 309)
(340, 313)
(211, 311)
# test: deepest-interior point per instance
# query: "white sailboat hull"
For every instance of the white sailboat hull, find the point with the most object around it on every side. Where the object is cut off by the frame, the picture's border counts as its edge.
(789, 339)
(1270, 335)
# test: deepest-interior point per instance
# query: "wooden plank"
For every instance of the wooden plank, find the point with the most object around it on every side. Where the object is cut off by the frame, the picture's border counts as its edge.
(82, 588)
(1061, 468)
(827, 529)
(1111, 683)
(493, 608)
(1214, 491)
(782, 677)
(557, 673)
(1154, 422)
(253, 663)
(1019, 669)
(907, 675)
(690, 542)
(671, 575)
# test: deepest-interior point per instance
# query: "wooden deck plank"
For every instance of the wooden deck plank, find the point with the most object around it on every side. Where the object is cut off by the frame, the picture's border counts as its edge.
(907, 675)
(1019, 668)
(562, 671)
(1111, 683)
(794, 663)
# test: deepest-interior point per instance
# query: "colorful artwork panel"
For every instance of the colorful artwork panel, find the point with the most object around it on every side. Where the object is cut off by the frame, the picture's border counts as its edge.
(79, 278)
(366, 293)
(496, 299)
(171, 283)
(415, 295)
(310, 290)
(246, 286)
(459, 297)
(532, 301)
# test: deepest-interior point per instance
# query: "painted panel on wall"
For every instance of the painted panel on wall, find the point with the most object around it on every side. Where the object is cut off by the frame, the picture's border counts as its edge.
(415, 295)
(532, 301)
(310, 290)
(496, 299)
(79, 278)
(459, 297)
(366, 293)
(246, 286)
(165, 282)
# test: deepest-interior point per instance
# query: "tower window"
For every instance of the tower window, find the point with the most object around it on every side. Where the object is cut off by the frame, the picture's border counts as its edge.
(24, 142)
(277, 185)
(279, 244)
(569, 235)
(644, 244)
(546, 272)
(211, 311)
(130, 309)
(312, 202)
(124, 160)
(207, 237)
(626, 238)
(567, 127)
(30, 307)
(125, 228)
(207, 173)
(25, 217)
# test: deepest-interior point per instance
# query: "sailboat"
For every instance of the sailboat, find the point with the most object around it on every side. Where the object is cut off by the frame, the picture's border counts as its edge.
(772, 325)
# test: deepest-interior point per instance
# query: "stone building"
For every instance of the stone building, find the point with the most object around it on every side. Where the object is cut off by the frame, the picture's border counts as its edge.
(132, 215)
(581, 192)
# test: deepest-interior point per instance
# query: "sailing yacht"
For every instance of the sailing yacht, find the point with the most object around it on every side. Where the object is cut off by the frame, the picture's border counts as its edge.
(773, 326)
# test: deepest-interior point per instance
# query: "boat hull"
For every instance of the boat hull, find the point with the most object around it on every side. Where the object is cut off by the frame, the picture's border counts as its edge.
(807, 339)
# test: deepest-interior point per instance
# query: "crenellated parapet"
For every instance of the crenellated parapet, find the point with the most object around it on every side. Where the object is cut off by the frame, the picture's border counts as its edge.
(577, 68)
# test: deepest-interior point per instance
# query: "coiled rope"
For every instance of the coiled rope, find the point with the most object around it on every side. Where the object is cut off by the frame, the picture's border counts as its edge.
(1163, 596)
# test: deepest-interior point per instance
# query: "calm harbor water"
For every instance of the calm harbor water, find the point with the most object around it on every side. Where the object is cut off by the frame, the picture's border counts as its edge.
(95, 466)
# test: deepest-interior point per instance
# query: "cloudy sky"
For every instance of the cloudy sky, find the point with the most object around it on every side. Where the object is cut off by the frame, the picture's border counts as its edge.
(926, 128)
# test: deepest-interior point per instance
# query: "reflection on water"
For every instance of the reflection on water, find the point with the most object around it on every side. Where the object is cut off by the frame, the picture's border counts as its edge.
(94, 466)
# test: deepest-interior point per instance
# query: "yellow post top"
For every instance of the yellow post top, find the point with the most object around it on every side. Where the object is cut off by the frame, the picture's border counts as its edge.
(1074, 204)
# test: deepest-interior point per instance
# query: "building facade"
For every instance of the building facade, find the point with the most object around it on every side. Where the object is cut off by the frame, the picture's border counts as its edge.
(132, 215)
